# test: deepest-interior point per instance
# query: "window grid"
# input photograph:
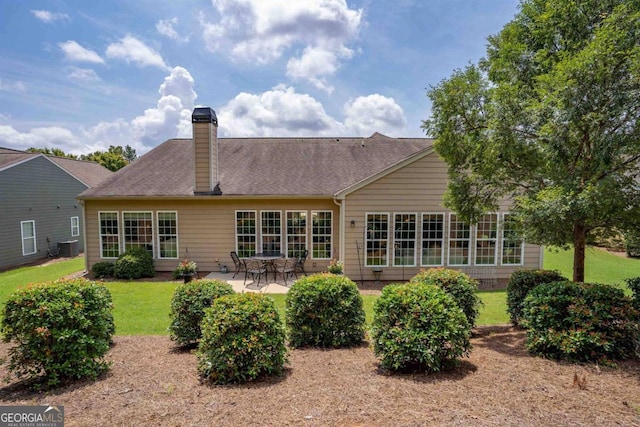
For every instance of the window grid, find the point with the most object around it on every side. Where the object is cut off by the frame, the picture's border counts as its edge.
(432, 239)
(296, 233)
(167, 235)
(321, 232)
(487, 239)
(459, 241)
(109, 237)
(138, 230)
(377, 239)
(75, 226)
(404, 240)
(28, 235)
(246, 233)
(271, 228)
(512, 244)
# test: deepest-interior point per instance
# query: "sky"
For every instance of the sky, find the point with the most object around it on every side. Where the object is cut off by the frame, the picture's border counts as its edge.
(84, 75)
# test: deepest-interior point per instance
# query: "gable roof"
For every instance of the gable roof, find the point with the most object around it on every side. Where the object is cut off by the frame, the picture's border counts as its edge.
(263, 166)
(88, 173)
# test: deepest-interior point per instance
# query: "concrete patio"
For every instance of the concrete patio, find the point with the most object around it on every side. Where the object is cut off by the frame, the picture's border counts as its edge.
(267, 284)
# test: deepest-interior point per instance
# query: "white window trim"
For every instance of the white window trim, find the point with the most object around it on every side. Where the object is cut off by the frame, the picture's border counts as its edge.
(282, 244)
(330, 235)
(495, 249)
(415, 240)
(389, 231)
(235, 226)
(306, 230)
(501, 232)
(470, 240)
(124, 237)
(443, 241)
(75, 226)
(100, 233)
(158, 235)
(22, 237)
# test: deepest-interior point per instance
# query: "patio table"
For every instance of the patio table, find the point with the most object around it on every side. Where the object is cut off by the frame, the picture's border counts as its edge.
(269, 259)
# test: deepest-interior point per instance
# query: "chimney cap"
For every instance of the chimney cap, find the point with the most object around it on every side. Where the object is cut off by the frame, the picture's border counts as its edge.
(204, 115)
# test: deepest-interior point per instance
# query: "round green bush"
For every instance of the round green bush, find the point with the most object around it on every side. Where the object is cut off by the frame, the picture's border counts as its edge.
(242, 339)
(134, 264)
(418, 327)
(62, 330)
(580, 322)
(462, 288)
(324, 310)
(102, 269)
(520, 283)
(187, 307)
(634, 284)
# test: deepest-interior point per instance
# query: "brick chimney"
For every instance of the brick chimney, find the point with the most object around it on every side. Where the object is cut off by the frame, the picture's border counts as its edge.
(205, 143)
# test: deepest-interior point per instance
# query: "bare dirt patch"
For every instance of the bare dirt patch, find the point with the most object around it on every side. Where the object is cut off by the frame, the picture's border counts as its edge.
(154, 383)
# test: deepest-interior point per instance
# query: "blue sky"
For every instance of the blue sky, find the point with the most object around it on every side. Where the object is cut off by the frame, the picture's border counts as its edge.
(83, 75)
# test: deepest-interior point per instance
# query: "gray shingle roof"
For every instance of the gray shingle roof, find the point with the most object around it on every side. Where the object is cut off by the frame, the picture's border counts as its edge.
(263, 166)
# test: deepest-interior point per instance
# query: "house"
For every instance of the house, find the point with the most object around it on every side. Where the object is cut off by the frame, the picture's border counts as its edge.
(375, 203)
(38, 205)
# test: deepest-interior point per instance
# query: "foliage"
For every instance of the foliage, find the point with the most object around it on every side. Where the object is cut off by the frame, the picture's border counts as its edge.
(580, 322)
(418, 327)
(185, 267)
(188, 304)
(548, 119)
(462, 288)
(114, 158)
(242, 339)
(634, 285)
(520, 283)
(324, 310)
(335, 266)
(632, 244)
(62, 331)
(134, 264)
(102, 269)
(52, 152)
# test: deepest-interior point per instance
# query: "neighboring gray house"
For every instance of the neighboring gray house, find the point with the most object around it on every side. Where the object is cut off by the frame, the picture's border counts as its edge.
(38, 202)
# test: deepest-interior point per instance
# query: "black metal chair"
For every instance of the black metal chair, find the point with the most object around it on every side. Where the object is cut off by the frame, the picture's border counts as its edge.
(284, 267)
(240, 264)
(298, 267)
(255, 268)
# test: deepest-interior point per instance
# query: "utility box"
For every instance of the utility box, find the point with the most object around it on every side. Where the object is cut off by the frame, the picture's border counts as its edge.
(69, 249)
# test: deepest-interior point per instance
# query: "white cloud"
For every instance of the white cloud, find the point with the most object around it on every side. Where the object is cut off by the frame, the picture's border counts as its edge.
(50, 17)
(74, 52)
(130, 49)
(278, 112)
(17, 86)
(263, 31)
(166, 28)
(50, 137)
(83, 75)
(374, 113)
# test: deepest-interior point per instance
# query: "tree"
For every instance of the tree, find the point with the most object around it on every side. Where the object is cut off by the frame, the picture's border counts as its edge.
(549, 119)
(114, 159)
(52, 152)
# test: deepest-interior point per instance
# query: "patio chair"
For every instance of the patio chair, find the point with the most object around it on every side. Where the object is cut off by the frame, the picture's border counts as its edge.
(240, 264)
(284, 268)
(298, 267)
(255, 268)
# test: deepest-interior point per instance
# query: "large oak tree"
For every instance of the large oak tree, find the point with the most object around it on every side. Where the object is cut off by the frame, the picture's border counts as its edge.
(550, 119)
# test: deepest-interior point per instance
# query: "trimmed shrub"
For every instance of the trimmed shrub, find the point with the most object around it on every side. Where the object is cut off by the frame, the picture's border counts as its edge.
(580, 322)
(187, 307)
(634, 285)
(242, 339)
(520, 283)
(134, 264)
(324, 310)
(62, 330)
(632, 244)
(418, 327)
(462, 288)
(102, 269)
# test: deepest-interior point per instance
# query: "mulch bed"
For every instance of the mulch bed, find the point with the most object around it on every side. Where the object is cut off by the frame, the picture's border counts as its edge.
(152, 382)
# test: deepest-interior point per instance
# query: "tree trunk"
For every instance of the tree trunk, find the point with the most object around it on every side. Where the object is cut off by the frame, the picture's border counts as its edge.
(579, 247)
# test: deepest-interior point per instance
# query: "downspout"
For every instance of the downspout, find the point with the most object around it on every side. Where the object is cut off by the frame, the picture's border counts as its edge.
(341, 237)
(84, 234)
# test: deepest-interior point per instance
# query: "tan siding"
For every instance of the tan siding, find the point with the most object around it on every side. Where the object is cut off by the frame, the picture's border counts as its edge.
(203, 156)
(416, 188)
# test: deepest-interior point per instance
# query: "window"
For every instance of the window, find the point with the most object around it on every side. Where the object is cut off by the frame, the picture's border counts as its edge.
(271, 228)
(487, 239)
(404, 240)
(512, 244)
(432, 239)
(138, 230)
(321, 231)
(109, 238)
(75, 226)
(28, 232)
(377, 239)
(296, 233)
(167, 235)
(245, 233)
(459, 241)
